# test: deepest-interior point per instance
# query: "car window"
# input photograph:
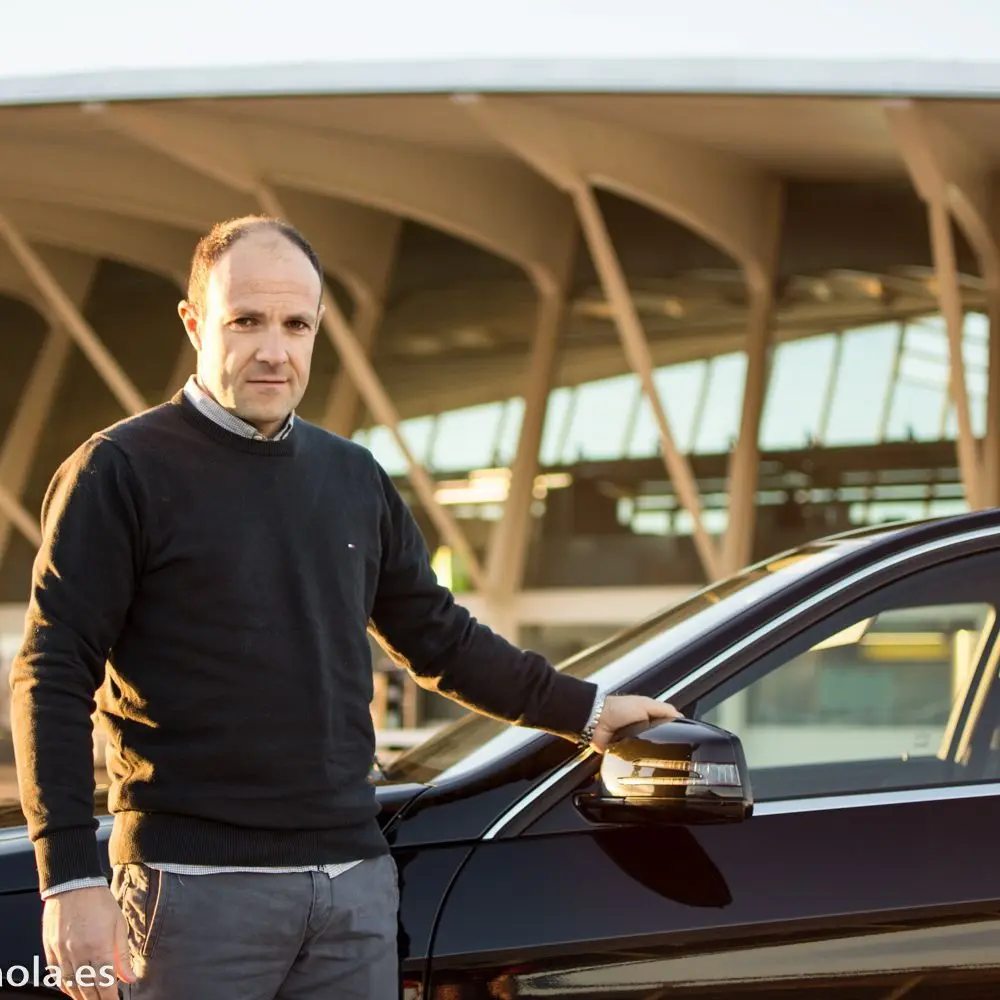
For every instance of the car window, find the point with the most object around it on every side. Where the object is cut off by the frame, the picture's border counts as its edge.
(872, 704)
(475, 738)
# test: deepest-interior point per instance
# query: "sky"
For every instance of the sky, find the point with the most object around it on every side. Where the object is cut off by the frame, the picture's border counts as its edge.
(69, 36)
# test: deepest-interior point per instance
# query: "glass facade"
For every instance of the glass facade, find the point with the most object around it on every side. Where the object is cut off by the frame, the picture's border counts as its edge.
(875, 385)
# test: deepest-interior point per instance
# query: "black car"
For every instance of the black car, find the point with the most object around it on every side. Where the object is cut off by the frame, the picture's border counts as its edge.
(826, 817)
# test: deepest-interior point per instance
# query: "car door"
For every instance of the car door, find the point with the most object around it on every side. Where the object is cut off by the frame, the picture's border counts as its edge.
(871, 733)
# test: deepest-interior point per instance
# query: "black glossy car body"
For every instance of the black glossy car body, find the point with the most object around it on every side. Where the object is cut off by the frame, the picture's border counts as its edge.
(859, 875)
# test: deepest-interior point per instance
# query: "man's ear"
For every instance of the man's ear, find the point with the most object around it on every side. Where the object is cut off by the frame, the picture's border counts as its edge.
(319, 315)
(192, 324)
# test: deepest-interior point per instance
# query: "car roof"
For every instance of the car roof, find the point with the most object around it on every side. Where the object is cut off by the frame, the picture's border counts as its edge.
(903, 534)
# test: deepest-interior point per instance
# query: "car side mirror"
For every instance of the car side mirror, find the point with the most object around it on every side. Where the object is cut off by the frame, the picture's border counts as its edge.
(682, 772)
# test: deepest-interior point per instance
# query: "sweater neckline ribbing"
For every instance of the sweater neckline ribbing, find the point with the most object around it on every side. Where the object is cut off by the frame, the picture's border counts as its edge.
(284, 448)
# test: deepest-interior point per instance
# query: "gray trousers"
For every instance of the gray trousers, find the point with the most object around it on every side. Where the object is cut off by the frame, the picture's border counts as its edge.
(262, 936)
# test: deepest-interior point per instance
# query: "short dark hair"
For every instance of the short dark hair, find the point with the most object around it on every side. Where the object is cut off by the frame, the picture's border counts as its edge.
(214, 245)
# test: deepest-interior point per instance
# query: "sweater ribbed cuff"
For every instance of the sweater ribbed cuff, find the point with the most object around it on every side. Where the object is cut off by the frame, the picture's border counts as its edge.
(568, 707)
(67, 855)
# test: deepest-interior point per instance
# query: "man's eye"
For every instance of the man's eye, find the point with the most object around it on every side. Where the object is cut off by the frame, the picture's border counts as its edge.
(243, 321)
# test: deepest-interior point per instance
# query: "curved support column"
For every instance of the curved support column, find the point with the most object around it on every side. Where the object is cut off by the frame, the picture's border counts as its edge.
(164, 250)
(950, 296)
(20, 442)
(343, 402)
(953, 178)
(737, 550)
(23, 435)
(510, 539)
(637, 351)
(64, 311)
(500, 206)
(991, 443)
(14, 512)
(727, 202)
(130, 182)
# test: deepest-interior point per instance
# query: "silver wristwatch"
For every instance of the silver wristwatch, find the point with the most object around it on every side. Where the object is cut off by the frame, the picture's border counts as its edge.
(588, 733)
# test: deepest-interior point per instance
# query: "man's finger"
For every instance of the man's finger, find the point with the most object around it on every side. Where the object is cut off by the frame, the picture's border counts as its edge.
(80, 971)
(95, 979)
(85, 981)
(68, 982)
(100, 983)
(104, 979)
(664, 710)
(123, 955)
(51, 958)
(57, 961)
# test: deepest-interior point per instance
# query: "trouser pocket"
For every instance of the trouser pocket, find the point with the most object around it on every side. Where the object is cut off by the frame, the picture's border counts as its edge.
(143, 894)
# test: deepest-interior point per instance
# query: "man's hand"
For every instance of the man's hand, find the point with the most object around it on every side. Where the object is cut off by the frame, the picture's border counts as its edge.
(83, 929)
(628, 710)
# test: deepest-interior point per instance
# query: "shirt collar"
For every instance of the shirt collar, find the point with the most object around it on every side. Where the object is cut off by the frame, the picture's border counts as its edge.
(208, 407)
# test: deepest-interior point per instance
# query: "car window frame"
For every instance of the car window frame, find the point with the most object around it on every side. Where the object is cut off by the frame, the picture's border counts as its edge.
(829, 597)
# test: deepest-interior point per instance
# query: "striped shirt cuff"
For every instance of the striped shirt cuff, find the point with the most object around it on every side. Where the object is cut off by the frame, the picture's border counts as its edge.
(77, 883)
(595, 714)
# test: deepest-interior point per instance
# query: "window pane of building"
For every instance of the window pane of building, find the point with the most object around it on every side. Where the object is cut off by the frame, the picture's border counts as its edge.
(680, 388)
(928, 336)
(715, 521)
(553, 434)
(651, 522)
(466, 438)
(720, 423)
(977, 332)
(510, 430)
(645, 441)
(927, 349)
(865, 366)
(889, 511)
(977, 416)
(923, 370)
(600, 419)
(917, 412)
(975, 380)
(796, 393)
(947, 508)
(417, 435)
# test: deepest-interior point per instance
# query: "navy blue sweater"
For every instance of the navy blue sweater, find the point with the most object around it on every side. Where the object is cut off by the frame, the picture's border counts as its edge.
(213, 594)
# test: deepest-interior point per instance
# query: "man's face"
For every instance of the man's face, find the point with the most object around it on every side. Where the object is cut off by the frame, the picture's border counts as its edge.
(255, 331)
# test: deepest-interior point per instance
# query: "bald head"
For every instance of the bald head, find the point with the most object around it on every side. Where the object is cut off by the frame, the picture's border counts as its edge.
(223, 236)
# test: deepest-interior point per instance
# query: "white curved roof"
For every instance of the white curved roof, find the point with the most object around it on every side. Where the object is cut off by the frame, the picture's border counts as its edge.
(115, 49)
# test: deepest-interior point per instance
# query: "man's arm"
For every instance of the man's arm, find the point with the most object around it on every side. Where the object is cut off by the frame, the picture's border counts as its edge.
(447, 650)
(82, 583)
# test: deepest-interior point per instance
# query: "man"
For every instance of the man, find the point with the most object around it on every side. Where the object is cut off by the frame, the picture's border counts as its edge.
(209, 569)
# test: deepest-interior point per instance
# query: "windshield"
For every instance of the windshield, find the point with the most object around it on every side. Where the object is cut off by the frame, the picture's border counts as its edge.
(475, 738)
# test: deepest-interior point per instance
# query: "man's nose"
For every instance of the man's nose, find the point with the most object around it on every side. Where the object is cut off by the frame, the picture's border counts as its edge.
(271, 348)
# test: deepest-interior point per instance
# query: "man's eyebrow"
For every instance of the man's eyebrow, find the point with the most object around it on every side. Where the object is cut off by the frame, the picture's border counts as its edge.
(300, 317)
